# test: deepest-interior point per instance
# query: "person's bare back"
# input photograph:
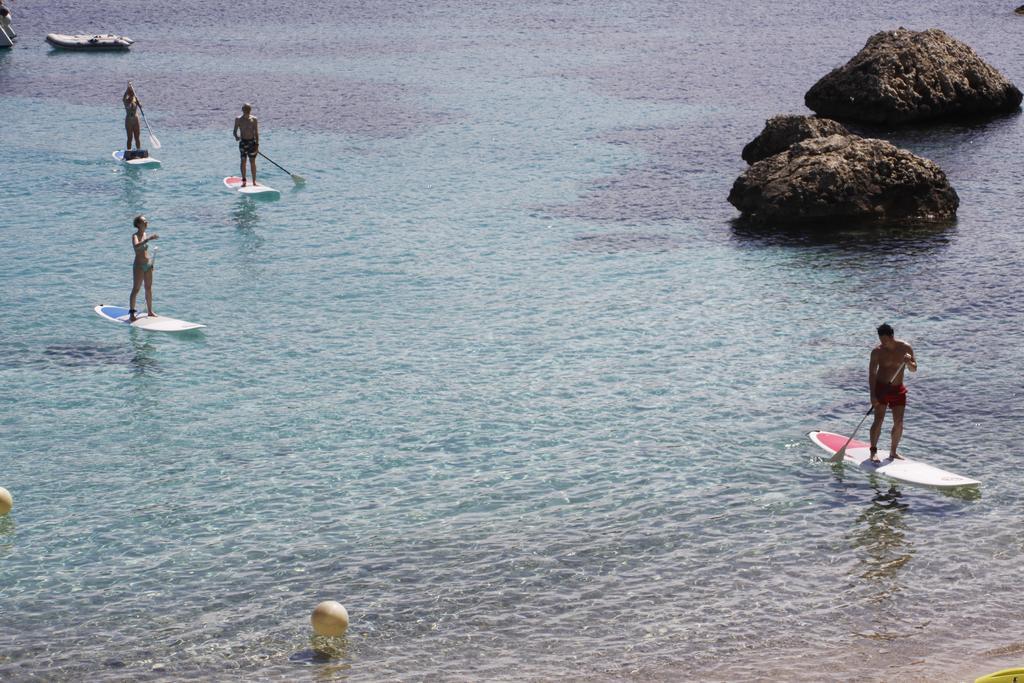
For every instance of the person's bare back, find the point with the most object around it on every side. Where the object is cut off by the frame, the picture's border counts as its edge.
(246, 127)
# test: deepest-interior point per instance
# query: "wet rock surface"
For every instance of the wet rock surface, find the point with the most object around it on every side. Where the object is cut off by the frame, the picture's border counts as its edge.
(782, 131)
(904, 76)
(843, 178)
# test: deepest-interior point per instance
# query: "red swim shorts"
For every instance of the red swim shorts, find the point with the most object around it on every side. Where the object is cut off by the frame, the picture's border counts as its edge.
(891, 395)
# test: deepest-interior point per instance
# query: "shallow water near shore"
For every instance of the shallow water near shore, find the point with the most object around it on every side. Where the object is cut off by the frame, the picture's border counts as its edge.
(502, 377)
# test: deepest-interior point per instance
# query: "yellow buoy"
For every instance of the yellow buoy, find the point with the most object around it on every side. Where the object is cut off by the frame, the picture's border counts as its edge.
(6, 502)
(330, 619)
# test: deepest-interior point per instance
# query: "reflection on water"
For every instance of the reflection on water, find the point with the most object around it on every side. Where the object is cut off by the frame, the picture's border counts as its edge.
(325, 651)
(79, 56)
(908, 240)
(881, 537)
(883, 549)
(246, 217)
(616, 242)
(143, 360)
(921, 137)
(132, 198)
(6, 534)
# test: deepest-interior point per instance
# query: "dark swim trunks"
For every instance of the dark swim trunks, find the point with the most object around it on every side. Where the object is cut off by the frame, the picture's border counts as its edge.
(247, 148)
(891, 395)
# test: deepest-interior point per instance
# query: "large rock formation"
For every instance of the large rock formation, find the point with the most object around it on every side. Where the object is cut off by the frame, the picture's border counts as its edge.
(782, 131)
(843, 179)
(902, 76)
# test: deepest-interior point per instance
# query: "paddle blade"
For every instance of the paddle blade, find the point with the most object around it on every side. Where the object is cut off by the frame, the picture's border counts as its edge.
(154, 143)
(841, 453)
(299, 180)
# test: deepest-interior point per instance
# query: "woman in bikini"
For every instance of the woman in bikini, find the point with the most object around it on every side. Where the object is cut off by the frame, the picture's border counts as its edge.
(142, 269)
(131, 117)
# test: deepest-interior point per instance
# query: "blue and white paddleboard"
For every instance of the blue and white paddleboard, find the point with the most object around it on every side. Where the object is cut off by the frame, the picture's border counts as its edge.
(161, 323)
(145, 161)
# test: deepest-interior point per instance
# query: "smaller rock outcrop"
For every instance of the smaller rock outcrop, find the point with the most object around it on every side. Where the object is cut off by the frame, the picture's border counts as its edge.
(904, 76)
(842, 179)
(782, 131)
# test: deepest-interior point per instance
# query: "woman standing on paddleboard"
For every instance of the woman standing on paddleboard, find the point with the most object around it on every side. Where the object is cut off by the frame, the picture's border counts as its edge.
(142, 269)
(131, 118)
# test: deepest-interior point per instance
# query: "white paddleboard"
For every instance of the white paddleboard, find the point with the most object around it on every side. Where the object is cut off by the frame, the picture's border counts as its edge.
(259, 190)
(903, 470)
(147, 161)
(161, 323)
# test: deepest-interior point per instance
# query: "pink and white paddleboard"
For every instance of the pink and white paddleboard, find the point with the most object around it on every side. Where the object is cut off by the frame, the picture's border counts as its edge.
(903, 470)
(235, 183)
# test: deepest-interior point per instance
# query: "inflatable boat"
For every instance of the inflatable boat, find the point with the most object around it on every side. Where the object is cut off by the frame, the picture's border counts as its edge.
(89, 42)
(7, 34)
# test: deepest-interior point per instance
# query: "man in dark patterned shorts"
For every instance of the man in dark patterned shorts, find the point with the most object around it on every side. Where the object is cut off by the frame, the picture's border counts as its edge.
(247, 132)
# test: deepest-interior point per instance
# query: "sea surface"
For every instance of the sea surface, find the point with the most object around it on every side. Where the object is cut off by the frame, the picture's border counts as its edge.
(504, 377)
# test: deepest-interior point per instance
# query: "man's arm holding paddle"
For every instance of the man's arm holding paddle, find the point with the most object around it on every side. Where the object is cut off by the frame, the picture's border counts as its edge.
(910, 360)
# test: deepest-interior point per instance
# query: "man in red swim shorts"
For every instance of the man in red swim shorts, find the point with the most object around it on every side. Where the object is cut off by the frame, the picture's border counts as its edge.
(885, 378)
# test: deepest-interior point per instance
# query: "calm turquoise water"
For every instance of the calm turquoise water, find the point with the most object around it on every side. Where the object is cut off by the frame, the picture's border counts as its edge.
(502, 377)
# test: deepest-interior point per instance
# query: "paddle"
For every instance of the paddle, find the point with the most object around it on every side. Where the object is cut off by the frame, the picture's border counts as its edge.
(295, 177)
(152, 138)
(841, 453)
(153, 142)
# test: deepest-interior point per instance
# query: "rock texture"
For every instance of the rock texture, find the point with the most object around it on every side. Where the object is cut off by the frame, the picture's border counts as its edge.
(904, 76)
(843, 178)
(782, 131)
